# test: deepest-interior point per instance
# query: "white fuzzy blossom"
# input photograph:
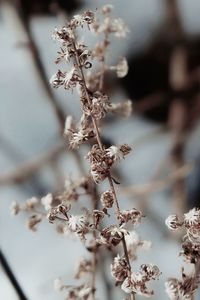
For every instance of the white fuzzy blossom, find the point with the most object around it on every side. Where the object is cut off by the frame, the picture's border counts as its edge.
(183, 289)
(47, 201)
(119, 268)
(137, 282)
(122, 68)
(58, 286)
(14, 208)
(115, 153)
(192, 218)
(173, 222)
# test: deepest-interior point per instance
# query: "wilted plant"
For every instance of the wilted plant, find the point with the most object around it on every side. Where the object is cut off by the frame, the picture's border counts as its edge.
(95, 104)
(187, 286)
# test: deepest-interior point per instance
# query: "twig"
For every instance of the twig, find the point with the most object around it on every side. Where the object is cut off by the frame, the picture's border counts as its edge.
(155, 185)
(29, 168)
(98, 137)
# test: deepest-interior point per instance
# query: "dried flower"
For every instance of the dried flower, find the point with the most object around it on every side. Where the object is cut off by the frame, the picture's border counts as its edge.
(173, 222)
(79, 225)
(181, 289)
(65, 34)
(57, 79)
(33, 221)
(193, 235)
(58, 286)
(119, 268)
(192, 218)
(47, 201)
(150, 271)
(191, 252)
(98, 215)
(99, 171)
(122, 68)
(71, 79)
(137, 282)
(106, 9)
(111, 235)
(83, 267)
(133, 215)
(107, 199)
(117, 153)
(14, 208)
(31, 203)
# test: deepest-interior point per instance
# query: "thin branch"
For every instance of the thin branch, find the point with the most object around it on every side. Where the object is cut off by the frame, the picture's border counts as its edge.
(98, 137)
(27, 169)
(156, 185)
(12, 277)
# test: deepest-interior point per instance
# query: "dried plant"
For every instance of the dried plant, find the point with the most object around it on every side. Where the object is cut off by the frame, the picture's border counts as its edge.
(187, 286)
(58, 208)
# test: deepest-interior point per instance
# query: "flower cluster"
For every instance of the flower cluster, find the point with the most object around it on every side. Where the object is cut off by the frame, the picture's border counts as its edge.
(191, 223)
(95, 104)
(186, 287)
(181, 289)
(132, 215)
(101, 160)
(137, 282)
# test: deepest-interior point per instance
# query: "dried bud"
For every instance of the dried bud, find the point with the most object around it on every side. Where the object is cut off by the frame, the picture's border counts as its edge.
(122, 68)
(99, 171)
(125, 149)
(192, 218)
(193, 235)
(107, 199)
(106, 9)
(58, 286)
(47, 201)
(132, 215)
(65, 34)
(181, 289)
(98, 215)
(83, 267)
(79, 225)
(63, 209)
(119, 269)
(111, 235)
(150, 271)
(33, 221)
(173, 222)
(57, 79)
(31, 203)
(14, 208)
(135, 285)
(172, 288)
(191, 252)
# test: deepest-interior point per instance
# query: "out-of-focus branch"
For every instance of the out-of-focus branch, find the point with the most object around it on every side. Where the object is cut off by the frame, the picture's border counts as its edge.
(155, 185)
(13, 13)
(29, 168)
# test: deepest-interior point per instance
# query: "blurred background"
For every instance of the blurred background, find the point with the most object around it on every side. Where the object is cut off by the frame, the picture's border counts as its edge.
(162, 174)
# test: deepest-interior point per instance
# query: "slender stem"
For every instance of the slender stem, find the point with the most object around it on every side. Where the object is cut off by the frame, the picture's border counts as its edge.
(94, 257)
(98, 137)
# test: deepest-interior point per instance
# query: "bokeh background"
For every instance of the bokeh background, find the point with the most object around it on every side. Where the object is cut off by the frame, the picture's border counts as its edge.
(161, 176)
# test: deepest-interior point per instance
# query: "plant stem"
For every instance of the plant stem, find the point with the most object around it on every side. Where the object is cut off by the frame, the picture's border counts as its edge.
(98, 137)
